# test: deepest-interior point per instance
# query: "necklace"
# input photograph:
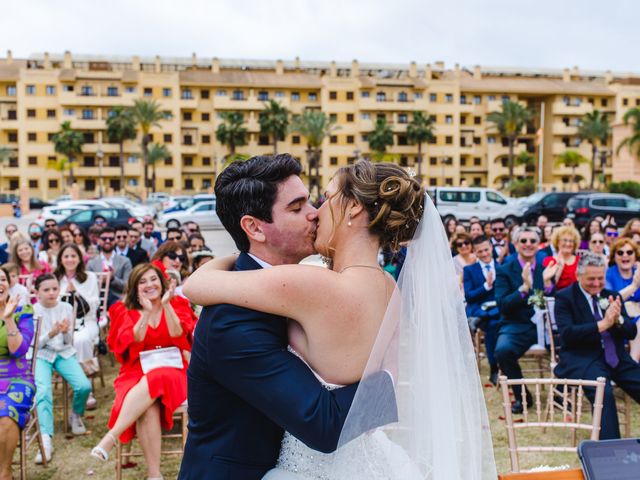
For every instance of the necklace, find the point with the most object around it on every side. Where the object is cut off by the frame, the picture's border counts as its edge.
(361, 266)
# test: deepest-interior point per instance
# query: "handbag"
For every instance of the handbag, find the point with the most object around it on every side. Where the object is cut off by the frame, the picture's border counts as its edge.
(168, 357)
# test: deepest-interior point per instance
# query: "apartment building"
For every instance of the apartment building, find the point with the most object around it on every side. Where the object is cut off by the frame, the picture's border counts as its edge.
(37, 94)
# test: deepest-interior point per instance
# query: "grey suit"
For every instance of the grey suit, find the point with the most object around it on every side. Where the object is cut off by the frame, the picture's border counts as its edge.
(119, 276)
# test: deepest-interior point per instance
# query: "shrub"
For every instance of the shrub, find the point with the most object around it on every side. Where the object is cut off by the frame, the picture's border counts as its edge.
(631, 188)
(522, 188)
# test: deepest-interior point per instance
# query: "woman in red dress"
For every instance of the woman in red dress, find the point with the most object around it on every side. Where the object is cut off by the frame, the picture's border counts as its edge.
(150, 317)
(564, 263)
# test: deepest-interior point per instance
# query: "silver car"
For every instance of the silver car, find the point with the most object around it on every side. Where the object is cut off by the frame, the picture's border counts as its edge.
(203, 213)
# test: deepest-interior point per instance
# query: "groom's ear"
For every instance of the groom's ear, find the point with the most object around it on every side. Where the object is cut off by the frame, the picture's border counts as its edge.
(253, 228)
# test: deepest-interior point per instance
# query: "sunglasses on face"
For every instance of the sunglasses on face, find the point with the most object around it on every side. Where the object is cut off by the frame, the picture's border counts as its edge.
(620, 253)
(612, 234)
(193, 230)
(463, 243)
(77, 234)
(107, 239)
(121, 237)
(50, 225)
(531, 241)
(174, 239)
(498, 229)
(175, 256)
(597, 241)
(54, 240)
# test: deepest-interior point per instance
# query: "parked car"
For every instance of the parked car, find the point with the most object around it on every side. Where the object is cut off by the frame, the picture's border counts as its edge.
(203, 213)
(114, 216)
(61, 198)
(57, 213)
(85, 203)
(582, 208)
(36, 203)
(551, 204)
(190, 202)
(462, 203)
(9, 198)
(138, 209)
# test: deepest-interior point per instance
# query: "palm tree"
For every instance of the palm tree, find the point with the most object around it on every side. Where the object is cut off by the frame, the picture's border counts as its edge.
(231, 131)
(6, 154)
(62, 165)
(526, 159)
(146, 114)
(594, 128)
(274, 122)
(633, 141)
(419, 131)
(121, 126)
(157, 153)
(380, 138)
(509, 122)
(68, 142)
(314, 126)
(571, 159)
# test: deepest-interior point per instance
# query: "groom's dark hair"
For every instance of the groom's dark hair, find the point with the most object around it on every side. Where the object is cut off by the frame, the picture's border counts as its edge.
(250, 188)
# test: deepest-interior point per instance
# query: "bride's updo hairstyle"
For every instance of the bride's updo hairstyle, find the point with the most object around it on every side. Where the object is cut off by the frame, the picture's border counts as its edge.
(392, 199)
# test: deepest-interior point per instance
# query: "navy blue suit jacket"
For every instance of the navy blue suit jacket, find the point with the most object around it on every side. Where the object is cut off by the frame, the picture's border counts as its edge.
(513, 308)
(581, 341)
(244, 388)
(510, 246)
(474, 292)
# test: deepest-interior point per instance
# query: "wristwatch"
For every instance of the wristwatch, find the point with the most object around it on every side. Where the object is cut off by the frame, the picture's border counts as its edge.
(521, 289)
(13, 334)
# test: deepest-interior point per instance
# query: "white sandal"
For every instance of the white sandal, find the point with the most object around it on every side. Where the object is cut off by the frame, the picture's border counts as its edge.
(100, 453)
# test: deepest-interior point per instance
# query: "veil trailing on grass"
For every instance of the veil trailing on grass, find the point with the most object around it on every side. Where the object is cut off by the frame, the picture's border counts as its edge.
(424, 342)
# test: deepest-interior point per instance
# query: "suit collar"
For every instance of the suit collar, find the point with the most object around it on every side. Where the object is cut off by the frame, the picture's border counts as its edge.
(245, 262)
(581, 302)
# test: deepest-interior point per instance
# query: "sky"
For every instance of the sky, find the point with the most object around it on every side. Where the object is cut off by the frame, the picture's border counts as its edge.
(590, 34)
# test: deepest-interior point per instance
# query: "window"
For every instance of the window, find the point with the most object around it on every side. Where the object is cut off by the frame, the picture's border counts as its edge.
(89, 161)
(31, 113)
(166, 92)
(491, 140)
(263, 96)
(417, 96)
(88, 137)
(448, 119)
(295, 96)
(604, 102)
(11, 91)
(132, 182)
(433, 161)
(168, 161)
(113, 161)
(206, 117)
(53, 183)
(32, 136)
(279, 94)
(112, 91)
(31, 89)
(381, 97)
(13, 137)
(187, 140)
(333, 95)
(365, 116)
(130, 89)
(448, 97)
(404, 161)
(167, 115)
(477, 141)
(204, 94)
(403, 118)
(477, 99)
(491, 98)
(206, 139)
(86, 90)
(168, 183)
(90, 184)
(188, 184)
(333, 160)
(167, 138)
(477, 120)
(313, 97)
(459, 196)
(365, 94)
(87, 114)
(50, 90)
(206, 161)
(448, 140)
(496, 198)
(402, 140)
(350, 117)
(433, 97)
(625, 102)
(32, 160)
(147, 92)
(187, 161)
(237, 95)
(33, 183)
(350, 139)
(221, 93)
(463, 120)
(13, 162)
(114, 184)
(295, 139)
(69, 112)
(365, 138)
(51, 113)
(463, 99)
(333, 117)
(402, 97)
(263, 140)
(187, 94)
(333, 139)
(477, 161)
(187, 116)
(12, 115)
(349, 95)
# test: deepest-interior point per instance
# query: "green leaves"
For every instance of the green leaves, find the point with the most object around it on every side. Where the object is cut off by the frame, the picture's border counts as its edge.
(231, 132)
(380, 138)
(121, 125)
(314, 126)
(274, 122)
(632, 142)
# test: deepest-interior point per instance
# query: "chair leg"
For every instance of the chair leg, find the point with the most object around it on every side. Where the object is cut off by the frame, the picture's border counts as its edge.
(101, 371)
(23, 455)
(627, 415)
(65, 406)
(118, 460)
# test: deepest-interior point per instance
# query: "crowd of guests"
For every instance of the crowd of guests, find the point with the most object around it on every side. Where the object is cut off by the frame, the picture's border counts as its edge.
(506, 272)
(87, 290)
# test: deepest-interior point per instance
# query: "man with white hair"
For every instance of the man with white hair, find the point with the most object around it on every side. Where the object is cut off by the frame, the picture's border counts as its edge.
(594, 325)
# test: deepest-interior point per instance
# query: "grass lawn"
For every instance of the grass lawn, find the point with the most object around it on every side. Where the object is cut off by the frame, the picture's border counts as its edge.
(71, 460)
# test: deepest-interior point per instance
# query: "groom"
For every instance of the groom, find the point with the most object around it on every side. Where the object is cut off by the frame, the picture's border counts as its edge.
(244, 387)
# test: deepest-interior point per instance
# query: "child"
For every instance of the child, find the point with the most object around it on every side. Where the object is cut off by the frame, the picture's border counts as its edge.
(56, 352)
(15, 287)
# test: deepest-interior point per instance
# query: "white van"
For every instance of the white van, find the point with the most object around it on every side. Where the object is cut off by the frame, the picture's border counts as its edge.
(462, 203)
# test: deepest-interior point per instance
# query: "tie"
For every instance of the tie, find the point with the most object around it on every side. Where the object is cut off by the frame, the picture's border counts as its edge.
(610, 355)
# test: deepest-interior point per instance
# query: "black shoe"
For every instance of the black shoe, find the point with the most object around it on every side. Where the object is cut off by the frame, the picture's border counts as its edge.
(516, 407)
(493, 377)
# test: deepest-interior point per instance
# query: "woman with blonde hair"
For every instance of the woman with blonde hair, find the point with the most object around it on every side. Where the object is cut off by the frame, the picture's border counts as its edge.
(564, 264)
(23, 255)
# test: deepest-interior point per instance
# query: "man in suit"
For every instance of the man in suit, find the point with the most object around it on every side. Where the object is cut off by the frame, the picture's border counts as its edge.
(501, 247)
(515, 282)
(593, 326)
(135, 253)
(478, 280)
(109, 261)
(244, 387)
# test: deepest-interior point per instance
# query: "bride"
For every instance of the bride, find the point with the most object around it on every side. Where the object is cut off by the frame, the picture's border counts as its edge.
(352, 320)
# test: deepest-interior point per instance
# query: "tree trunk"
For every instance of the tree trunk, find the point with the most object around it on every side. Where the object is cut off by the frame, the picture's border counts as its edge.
(72, 177)
(575, 179)
(153, 178)
(594, 152)
(145, 159)
(512, 142)
(419, 163)
(275, 144)
(122, 167)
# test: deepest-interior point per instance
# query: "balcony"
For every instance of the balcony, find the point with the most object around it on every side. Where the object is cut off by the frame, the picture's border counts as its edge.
(560, 128)
(77, 99)
(88, 124)
(243, 103)
(561, 108)
(386, 105)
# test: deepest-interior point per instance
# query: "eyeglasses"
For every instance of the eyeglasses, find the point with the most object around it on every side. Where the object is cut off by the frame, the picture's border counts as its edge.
(174, 239)
(99, 220)
(620, 253)
(77, 234)
(612, 234)
(10, 231)
(107, 239)
(54, 240)
(193, 230)
(463, 243)
(531, 241)
(498, 229)
(597, 241)
(50, 225)
(124, 237)
(174, 256)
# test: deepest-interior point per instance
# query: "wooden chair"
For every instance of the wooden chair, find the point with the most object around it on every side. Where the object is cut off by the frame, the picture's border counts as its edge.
(26, 280)
(31, 431)
(179, 415)
(58, 380)
(103, 318)
(572, 391)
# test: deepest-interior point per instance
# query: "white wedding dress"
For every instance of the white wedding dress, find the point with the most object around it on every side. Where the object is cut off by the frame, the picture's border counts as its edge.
(372, 456)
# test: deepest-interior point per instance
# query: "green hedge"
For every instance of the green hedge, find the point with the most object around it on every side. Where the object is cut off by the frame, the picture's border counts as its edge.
(629, 187)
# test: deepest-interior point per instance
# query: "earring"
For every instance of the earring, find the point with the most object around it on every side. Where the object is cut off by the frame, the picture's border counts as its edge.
(349, 222)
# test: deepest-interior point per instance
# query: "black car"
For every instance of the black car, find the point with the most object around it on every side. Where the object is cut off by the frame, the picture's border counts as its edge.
(551, 204)
(86, 218)
(582, 208)
(37, 203)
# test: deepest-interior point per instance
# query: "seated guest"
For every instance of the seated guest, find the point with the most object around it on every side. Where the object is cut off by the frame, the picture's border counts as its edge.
(594, 325)
(631, 227)
(18, 389)
(171, 256)
(515, 282)
(461, 245)
(81, 239)
(564, 263)
(50, 224)
(66, 234)
(150, 317)
(56, 352)
(51, 243)
(15, 287)
(610, 235)
(23, 255)
(502, 248)
(196, 243)
(541, 224)
(108, 261)
(450, 227)
(596, 245)
(174, 234)
(191, 227)
(200, 258)
(588, 231)
(136, 253)
(35, 235)
(478, 280)
(147, 244)
(475, 230)
(623, 277)
(149, 232)
(80, 288)
(545, 248)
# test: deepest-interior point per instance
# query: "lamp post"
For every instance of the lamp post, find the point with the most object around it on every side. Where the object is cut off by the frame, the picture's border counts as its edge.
(100, 155)
(603, 154)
